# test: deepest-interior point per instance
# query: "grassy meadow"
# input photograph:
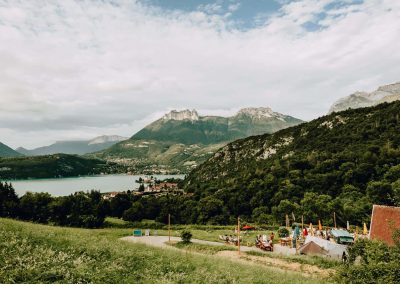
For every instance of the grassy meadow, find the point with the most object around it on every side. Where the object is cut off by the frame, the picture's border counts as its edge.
(32, 253)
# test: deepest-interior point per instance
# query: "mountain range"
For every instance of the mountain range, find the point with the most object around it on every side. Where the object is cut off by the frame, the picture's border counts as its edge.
(78, 147)
(6, 151)
(181, 140)
(386, 93)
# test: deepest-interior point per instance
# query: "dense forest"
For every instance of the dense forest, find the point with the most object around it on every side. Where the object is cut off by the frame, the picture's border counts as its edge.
(53, 166)
(77, 210)
(342, 163)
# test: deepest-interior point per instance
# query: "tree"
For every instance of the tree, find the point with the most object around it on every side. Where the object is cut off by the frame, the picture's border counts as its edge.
(317, 207)
(134, 213)
(380, 192)
(284, 208)
(119, 204)
(141, 187)
(209, 208)
(9, 201)
(35, 207)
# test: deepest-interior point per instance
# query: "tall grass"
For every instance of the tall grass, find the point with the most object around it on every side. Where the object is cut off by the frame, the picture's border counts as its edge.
(34, 253)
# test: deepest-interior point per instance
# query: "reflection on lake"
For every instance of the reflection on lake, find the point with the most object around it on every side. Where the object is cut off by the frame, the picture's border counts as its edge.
(66, 186)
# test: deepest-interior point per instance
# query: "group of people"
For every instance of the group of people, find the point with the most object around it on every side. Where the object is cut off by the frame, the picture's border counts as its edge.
(229, 239)
(324, 234)
(265, 243)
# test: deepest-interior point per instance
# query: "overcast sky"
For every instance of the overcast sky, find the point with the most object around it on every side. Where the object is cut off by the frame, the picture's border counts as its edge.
(78, 69)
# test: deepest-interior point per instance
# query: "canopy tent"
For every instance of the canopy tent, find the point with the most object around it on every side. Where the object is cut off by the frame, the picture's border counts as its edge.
(342, 236)
(311, 248)
(333, 250)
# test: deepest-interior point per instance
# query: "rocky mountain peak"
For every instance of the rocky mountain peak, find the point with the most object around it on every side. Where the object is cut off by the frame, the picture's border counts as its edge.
(260, 113)
(386, 93)
(186, 114)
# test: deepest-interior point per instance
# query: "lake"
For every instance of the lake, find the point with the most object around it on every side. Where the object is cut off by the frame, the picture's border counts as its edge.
(66, 186)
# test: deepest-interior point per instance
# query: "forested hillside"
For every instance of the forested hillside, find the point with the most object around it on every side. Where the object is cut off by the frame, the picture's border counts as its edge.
(343, 162)
(51, 166)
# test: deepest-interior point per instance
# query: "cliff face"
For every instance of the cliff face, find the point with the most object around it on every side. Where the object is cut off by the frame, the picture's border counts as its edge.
(387, 93)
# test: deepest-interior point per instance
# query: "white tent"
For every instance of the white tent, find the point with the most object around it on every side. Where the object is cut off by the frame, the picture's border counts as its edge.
(334, 250)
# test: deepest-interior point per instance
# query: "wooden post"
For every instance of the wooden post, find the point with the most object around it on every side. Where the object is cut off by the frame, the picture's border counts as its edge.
(302, 223)
(287, 221)
(169, 228)
(238, 235)
(334, 218)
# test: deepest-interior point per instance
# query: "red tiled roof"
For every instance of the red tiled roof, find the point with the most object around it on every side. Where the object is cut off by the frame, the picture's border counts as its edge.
(383, 221)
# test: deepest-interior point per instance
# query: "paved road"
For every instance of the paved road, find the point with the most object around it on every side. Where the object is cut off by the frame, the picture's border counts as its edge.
(159, 241)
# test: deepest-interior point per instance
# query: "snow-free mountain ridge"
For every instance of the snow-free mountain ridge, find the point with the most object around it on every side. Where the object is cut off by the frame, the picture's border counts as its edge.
(387, 93)
(78, 147)
(181, 140)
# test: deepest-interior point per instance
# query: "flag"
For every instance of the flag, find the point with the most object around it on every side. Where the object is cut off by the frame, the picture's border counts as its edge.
(297, 231)
(365, 231)
(311, 230)
(319, 225)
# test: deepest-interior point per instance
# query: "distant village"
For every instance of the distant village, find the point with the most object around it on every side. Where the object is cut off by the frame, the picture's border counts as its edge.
(150, 186)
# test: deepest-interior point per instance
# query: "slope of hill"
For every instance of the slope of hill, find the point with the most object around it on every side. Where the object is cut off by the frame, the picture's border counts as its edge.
(98, 256)
(6, 151)
(181, 140)
(341, 162)
(51, 166)
(387, 93)
(74, 147)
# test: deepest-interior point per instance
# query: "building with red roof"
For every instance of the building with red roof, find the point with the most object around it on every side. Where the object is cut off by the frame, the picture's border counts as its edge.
(384, 220)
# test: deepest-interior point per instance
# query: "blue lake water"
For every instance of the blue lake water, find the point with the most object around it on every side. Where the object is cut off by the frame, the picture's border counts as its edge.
(66, 186)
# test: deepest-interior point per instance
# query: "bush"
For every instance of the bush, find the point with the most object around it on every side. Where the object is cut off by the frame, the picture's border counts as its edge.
(283, 232)
(186, 236)
(378, 263)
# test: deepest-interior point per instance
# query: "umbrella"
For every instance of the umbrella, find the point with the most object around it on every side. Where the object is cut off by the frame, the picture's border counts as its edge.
(247, 227)
(311, 230)
(365, 231)
(319, 225)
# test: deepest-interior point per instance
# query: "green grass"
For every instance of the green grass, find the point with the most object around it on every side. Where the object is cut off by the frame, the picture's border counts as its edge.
(202, 248)
(321, 262)
(32, 253)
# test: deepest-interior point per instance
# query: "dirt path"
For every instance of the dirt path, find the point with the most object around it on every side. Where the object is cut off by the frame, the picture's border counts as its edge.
(160, 241)
(277, 263)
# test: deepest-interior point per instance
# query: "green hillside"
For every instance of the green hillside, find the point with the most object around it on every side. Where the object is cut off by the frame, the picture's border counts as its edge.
(50, 166)
(180, 143)
(32, 253)
(6, 151)
(342, 162)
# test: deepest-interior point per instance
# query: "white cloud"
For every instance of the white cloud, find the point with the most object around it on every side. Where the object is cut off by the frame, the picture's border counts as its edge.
(82, 68)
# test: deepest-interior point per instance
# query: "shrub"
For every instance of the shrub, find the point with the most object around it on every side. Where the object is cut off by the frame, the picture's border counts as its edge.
(186, 236)
(378, 263)
(283, 232)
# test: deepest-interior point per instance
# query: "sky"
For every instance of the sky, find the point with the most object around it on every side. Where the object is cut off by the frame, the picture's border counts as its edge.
(78, 69)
